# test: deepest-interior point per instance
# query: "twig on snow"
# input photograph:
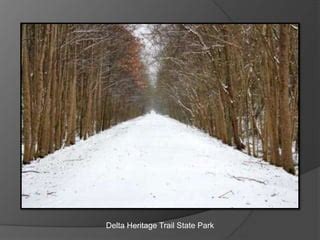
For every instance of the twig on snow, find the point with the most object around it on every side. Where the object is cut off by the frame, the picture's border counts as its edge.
(28, 171)
(246, 178)
(51, 193)
(250, 162)
(70, 160)
(222, 196)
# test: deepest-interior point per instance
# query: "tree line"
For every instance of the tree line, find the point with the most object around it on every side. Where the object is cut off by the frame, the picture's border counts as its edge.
(237, 82)
(77, 80)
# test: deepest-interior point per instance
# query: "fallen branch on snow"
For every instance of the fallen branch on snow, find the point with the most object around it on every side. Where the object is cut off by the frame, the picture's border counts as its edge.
(28, 171)
(260, 163)
(222, 196)
(250, 179)
(70, 160)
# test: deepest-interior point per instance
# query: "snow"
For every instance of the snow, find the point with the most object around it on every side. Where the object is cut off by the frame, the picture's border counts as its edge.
(154, 161)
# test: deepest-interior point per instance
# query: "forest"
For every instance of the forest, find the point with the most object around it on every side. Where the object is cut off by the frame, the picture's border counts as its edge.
(160, 115)
(77, 80)
(237, 82)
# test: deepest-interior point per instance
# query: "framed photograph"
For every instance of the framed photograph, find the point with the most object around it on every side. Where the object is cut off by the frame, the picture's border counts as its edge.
(167, 115)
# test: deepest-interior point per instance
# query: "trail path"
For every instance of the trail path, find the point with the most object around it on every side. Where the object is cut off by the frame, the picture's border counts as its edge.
(155, 161)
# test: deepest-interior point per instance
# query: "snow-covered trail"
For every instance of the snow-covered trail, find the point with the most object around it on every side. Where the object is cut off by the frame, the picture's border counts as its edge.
(155, 161)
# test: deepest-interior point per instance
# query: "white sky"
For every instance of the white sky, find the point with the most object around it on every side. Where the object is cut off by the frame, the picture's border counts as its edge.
(143, 32)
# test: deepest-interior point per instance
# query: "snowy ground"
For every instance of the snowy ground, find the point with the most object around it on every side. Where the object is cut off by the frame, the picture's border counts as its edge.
(154, 161)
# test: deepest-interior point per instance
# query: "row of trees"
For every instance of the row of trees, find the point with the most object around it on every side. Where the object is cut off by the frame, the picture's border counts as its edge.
(77, 80)
(239, 83)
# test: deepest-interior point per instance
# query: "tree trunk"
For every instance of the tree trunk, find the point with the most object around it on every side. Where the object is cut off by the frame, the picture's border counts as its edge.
(232, 112)
(27, 134)
(285, 120)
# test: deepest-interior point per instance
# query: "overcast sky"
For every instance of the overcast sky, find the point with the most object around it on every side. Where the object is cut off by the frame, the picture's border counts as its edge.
(143, 32)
